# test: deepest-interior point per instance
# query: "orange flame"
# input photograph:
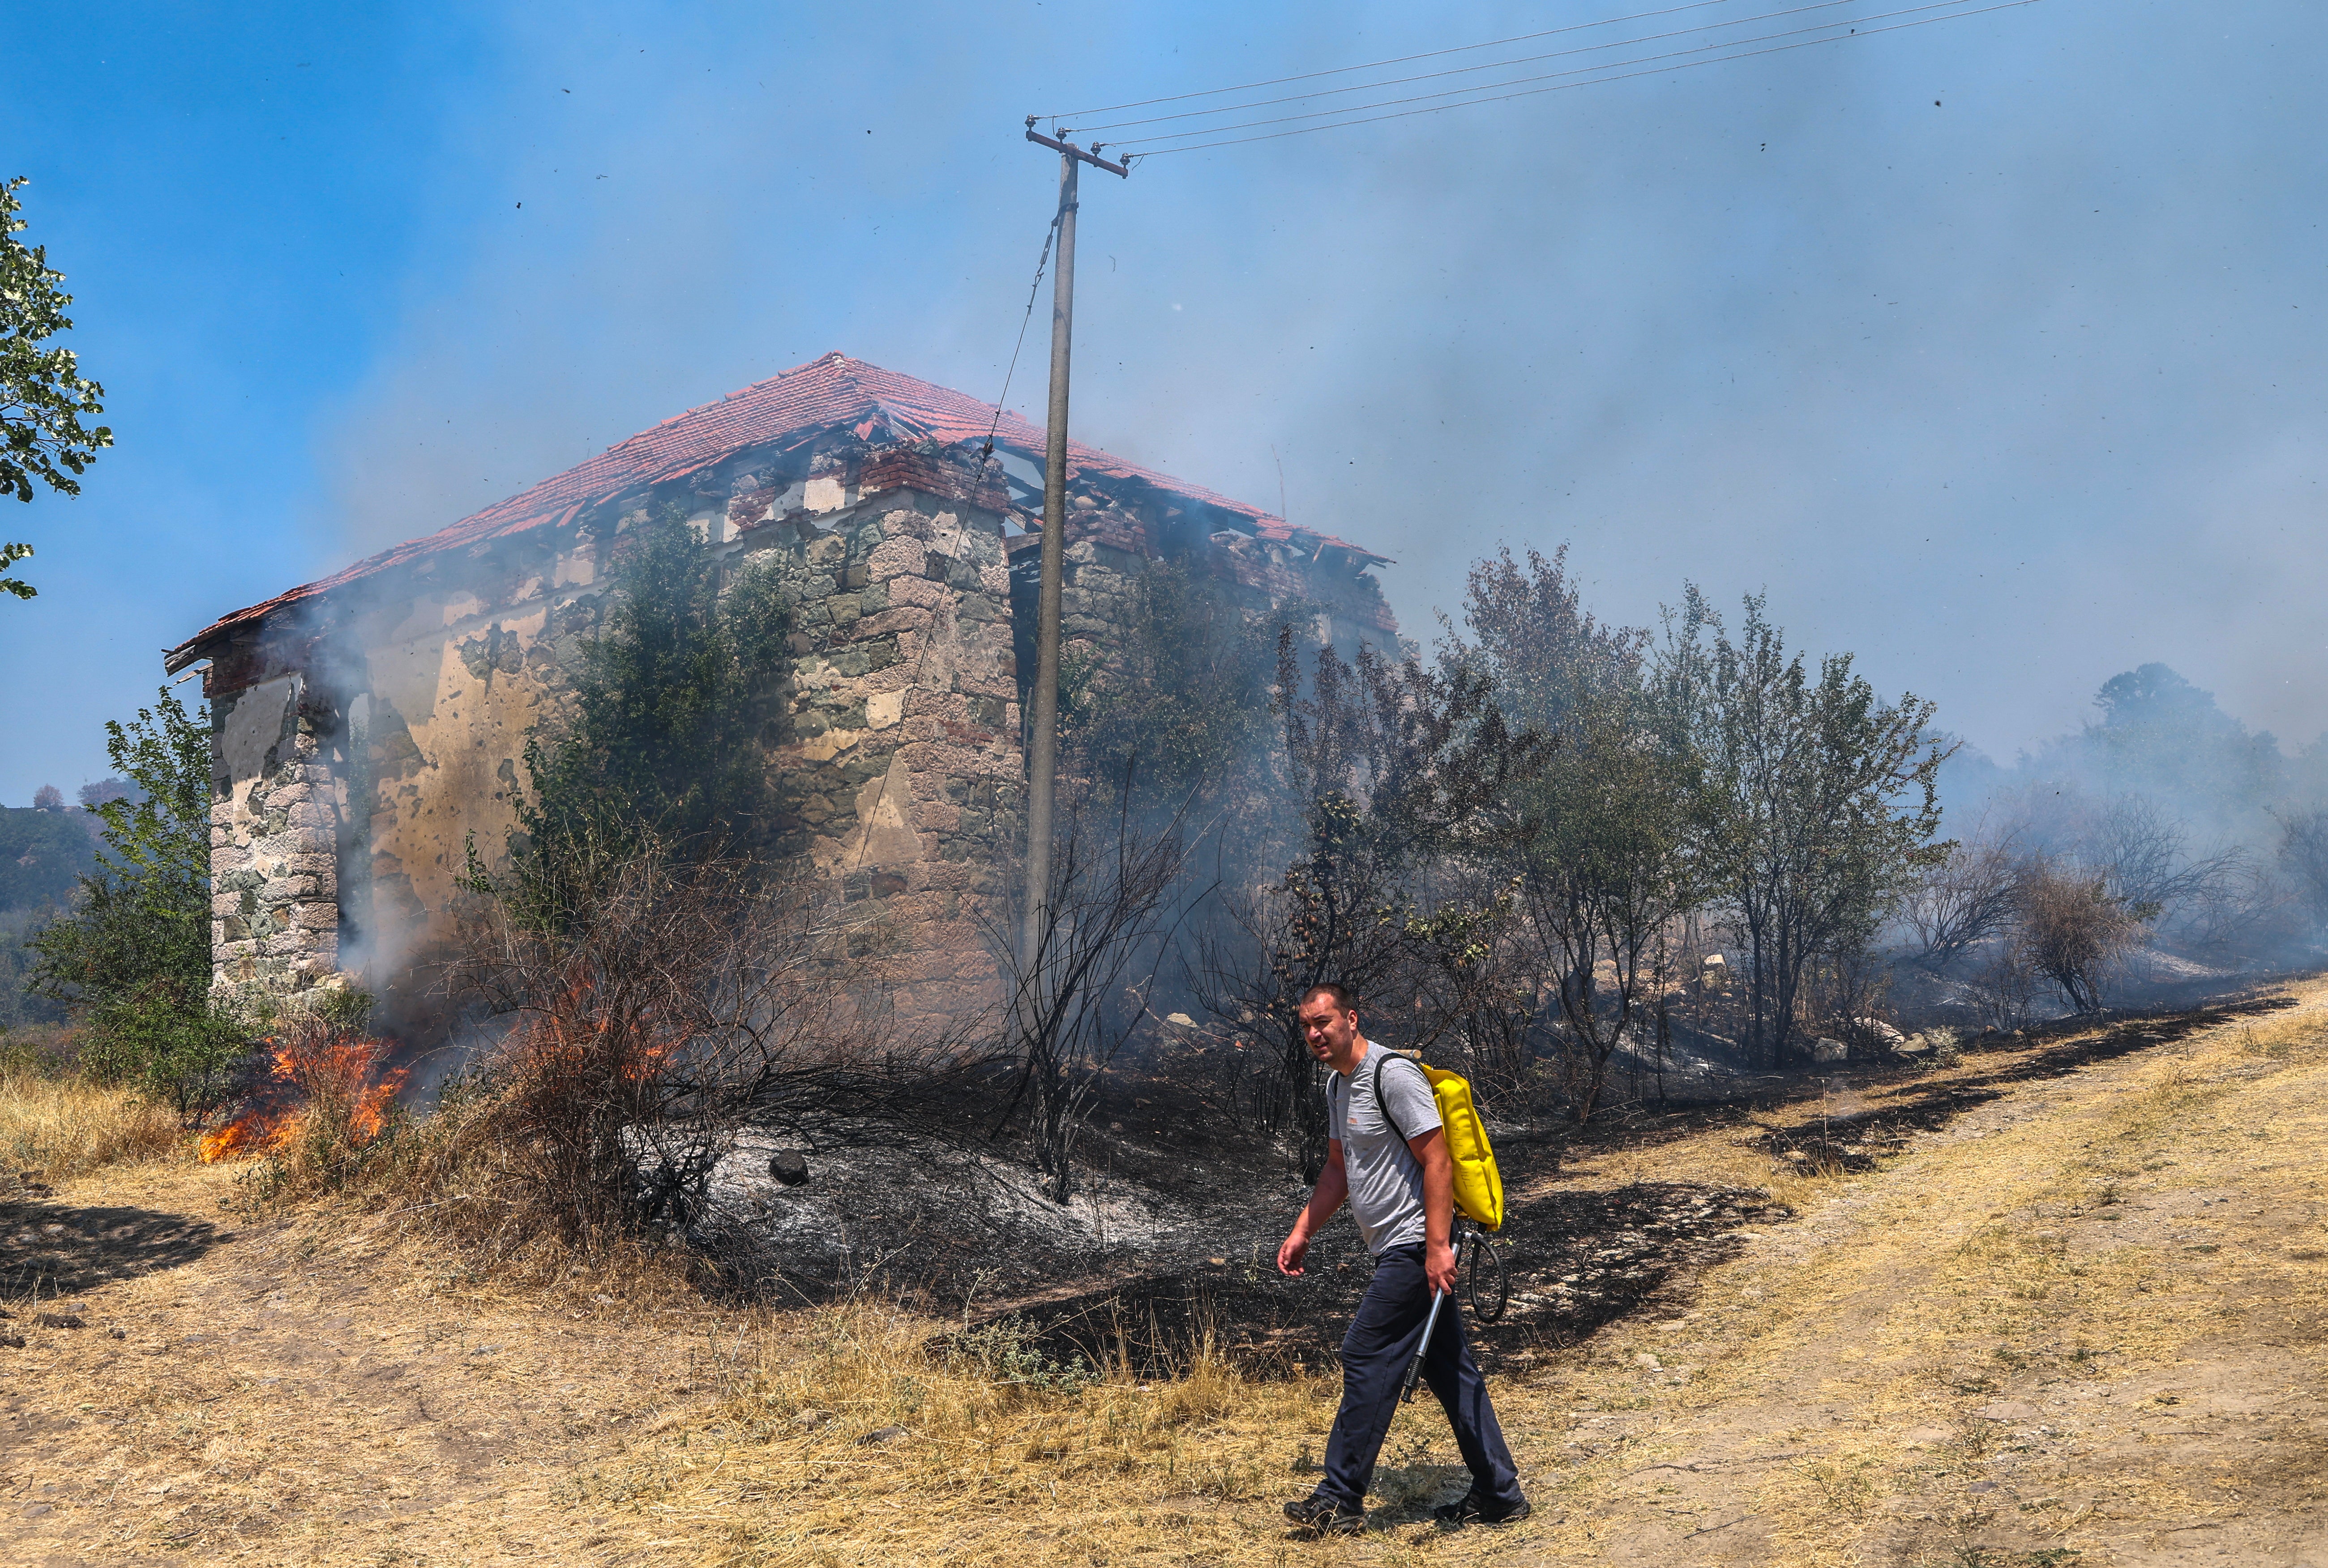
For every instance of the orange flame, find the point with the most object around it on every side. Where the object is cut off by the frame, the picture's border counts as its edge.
(247, 1137)
(341, 1087)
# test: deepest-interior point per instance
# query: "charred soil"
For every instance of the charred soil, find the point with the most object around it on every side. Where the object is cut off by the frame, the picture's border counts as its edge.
(2060, 1300)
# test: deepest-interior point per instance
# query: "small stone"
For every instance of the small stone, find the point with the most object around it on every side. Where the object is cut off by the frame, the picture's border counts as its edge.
(2007, 1410)
(36, 1510)
(1648, 1363)
(1982, 1487)
(12, 1341)
(116, 1333)
(1925, 1437)
(58, 1321)
(789, 1166)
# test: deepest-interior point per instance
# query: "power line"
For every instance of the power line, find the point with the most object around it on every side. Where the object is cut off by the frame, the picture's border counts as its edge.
(1401, 59)
(1465, 69)
(1954, 7)
(1567, 86)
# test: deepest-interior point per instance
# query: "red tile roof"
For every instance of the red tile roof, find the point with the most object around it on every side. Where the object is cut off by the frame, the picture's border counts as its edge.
(827, 393)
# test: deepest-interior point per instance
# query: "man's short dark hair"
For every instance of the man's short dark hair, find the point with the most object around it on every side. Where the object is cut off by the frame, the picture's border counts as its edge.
(1343, 1000)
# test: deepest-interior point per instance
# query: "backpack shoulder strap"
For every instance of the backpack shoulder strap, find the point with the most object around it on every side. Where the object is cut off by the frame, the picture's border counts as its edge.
(1375, 1083)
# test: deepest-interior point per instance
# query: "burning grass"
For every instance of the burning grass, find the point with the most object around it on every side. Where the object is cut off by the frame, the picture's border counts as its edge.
(500, 1168)
(55, 1122)
(329, 1097)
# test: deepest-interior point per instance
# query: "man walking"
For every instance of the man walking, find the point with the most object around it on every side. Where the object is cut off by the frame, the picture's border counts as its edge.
(1386, 1154)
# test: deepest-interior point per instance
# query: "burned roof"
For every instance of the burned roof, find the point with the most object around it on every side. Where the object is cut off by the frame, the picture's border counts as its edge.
(832, 392)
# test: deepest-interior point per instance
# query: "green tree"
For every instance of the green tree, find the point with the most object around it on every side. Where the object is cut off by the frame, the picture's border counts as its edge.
(1607, 861)
(1403, 779)
(42, 393)
(1806, 838)
(132, 960)
(675, 704)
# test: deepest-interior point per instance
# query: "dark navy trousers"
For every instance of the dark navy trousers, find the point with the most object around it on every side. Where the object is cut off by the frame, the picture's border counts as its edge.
(1375, 1353)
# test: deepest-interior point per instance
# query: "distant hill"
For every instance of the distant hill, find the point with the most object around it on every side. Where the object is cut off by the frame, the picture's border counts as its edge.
(42, 856)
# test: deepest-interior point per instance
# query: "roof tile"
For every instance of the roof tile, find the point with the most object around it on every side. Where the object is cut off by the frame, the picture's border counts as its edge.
(829, 392)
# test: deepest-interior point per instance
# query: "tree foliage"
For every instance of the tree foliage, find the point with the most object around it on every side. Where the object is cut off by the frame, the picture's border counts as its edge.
(1400, 777)
(1183, 707)
(1608, 862)
(42, 393)
(132, 959)
(1806, 838)
(674, 701)
(10, 554)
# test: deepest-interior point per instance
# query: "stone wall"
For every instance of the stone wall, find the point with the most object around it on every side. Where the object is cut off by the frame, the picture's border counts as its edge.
(277, 795)
(361, 748)
(903, 768)
(366, 738)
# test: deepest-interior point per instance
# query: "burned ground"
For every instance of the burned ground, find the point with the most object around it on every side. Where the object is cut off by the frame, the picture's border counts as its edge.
(1171, 1238)
(2079, 1321)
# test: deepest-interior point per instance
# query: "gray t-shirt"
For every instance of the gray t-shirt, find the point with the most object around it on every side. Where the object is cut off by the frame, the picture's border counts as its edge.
(1385, 1181)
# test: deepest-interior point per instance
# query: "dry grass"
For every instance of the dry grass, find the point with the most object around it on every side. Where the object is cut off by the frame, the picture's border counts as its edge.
(1816, 1402)
(848, 1442)
(61, 1125)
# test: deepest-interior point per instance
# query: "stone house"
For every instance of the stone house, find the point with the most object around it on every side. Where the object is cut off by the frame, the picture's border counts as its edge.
(365, 727)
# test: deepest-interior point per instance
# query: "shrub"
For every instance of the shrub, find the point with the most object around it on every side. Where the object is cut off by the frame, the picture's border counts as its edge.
(2076, 934)
(1009, 1351)
(132, 959)
(189, 1056)
(630, 1046)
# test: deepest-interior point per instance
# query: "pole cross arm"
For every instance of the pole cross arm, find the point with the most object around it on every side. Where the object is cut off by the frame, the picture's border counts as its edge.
(1122, 171)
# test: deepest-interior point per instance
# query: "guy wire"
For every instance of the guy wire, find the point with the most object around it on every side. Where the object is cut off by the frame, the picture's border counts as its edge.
(985, 456)
(1034, 290)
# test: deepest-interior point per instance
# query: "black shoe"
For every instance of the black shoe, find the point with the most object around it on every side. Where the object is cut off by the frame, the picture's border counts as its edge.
(1470, 1510)
(1326, 1516)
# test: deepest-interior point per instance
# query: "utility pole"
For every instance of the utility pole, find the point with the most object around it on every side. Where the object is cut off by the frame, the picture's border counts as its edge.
(1043, 742)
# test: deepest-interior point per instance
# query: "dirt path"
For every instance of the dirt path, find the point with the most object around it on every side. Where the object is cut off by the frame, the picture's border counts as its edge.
(2085, 1323)
(259, 1391)
(2080, 1318)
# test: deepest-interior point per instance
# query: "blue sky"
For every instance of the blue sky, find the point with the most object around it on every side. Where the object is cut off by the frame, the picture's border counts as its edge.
(2004, 393)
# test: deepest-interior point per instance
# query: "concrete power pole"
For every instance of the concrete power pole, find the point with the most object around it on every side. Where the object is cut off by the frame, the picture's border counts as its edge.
(1043, 743)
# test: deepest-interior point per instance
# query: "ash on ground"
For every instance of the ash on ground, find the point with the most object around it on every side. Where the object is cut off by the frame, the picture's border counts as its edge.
(1170, 1239)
